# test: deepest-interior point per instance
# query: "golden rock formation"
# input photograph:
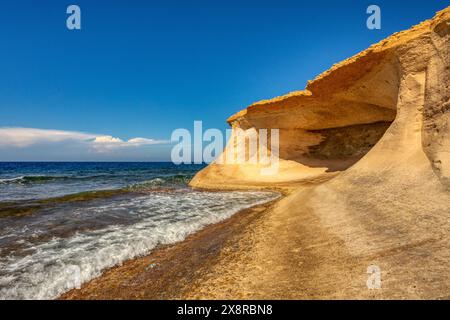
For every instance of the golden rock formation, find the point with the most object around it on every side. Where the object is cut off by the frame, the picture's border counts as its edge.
(396, 91)
(366, 150)
(365, 156)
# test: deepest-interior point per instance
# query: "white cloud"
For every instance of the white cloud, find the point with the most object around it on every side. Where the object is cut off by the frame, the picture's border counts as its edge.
(105, 143)
(27, 137)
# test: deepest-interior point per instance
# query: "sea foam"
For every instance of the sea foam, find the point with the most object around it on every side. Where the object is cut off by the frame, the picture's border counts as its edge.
(47, 269)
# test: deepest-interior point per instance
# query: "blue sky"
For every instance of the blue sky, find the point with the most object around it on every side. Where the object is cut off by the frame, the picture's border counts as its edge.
(140, 69)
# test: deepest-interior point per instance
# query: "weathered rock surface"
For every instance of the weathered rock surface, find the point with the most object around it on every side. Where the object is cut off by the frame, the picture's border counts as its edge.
(379, 125)
(333, 122)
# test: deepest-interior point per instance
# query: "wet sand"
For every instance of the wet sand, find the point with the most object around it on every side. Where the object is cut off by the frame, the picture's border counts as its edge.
(169, 272)
(279, 250)
(270, 251)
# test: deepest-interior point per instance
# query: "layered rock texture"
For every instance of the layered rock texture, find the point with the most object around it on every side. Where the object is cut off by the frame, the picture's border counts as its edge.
(397, 89)
(366, 150)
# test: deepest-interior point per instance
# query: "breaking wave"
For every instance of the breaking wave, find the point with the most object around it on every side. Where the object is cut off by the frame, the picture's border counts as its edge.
(167, 181)
(41, 179)
(136, 225)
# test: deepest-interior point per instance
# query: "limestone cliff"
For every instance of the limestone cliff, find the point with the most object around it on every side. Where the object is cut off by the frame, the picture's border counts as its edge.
(374, 131)
(396, 91)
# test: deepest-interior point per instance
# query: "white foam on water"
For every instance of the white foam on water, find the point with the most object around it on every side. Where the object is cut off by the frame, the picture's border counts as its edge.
(61, 264)
(8, 180)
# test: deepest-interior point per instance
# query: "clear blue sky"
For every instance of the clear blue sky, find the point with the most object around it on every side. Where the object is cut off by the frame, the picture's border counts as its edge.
(143, 68)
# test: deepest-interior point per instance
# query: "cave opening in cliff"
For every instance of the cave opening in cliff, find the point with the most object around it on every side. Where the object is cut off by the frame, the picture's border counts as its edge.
(334, 122)
(343, 147)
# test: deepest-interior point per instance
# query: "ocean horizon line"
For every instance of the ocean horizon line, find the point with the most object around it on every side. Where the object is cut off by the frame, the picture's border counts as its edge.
(82, 161)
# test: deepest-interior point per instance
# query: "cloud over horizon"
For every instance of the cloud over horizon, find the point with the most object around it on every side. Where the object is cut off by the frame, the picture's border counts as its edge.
(18, 140)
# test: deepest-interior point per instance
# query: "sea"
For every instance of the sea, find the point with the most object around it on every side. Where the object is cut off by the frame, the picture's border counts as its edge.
(62, 224)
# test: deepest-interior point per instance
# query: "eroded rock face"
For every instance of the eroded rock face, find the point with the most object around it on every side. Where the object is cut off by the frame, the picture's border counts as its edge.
(367, 149)
(388, 103)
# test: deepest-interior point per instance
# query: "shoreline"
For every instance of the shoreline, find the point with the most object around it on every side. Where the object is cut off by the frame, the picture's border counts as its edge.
(282, 249)
(169, 271)
(276, 250)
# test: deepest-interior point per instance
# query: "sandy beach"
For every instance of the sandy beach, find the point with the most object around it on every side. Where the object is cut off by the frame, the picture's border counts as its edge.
(259, 253)
(364, 160)
(175, 271)
(222, 150)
